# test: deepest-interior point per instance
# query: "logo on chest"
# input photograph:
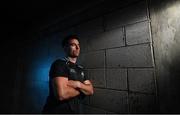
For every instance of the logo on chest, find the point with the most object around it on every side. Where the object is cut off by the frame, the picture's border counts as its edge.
(76, 74)
(82, 74)
(72, 70)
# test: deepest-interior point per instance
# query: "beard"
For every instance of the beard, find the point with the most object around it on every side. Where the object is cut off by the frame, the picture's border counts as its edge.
(74, 54)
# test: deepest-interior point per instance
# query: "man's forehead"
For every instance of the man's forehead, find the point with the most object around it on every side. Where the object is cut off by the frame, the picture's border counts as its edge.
(74, 40)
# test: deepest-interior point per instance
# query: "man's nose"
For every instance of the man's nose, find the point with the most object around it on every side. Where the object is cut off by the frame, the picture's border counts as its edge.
(77, 47)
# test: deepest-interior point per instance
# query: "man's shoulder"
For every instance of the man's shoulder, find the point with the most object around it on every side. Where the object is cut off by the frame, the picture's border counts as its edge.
(80, 66)
(59, 61)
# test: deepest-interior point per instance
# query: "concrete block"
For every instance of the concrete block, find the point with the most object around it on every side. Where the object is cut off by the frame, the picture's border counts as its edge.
(83, 44)
(142, 103)
(97, 76)
(138, 33)
(92, 59)
(141, 80)
(132, 56)
(90, 28)
(131, 14)
(110, 100)
(117, 79)
(108, 39)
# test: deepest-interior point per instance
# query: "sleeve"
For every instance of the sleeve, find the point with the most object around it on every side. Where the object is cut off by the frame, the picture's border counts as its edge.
(58, 68)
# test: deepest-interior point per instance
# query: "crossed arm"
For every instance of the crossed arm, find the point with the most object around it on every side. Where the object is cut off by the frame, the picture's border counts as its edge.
(85, 87)
(65, 89)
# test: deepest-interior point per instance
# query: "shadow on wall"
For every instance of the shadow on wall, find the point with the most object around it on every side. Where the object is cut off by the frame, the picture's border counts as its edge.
(31, 88)
(166, 35)
(174, 70)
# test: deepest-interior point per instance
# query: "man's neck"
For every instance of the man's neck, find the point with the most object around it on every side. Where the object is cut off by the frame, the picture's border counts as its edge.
(73, 60)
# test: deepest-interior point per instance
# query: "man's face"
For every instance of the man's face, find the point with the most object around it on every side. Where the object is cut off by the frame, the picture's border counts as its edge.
(73, 48)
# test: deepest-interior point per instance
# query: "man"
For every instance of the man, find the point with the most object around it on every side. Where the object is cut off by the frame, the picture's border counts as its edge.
(67, 84)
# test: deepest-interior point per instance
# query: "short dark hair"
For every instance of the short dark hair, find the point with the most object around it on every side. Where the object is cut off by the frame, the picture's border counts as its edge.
(67, 38)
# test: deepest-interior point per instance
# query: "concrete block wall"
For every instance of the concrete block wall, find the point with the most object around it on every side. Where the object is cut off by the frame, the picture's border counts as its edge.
(117, 53)
(118, 58)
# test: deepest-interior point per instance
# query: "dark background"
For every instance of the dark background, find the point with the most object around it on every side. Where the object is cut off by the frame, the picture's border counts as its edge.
(28, 26)
(19, 21)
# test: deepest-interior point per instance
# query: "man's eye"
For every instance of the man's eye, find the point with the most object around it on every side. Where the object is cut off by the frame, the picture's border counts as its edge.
(72, 44)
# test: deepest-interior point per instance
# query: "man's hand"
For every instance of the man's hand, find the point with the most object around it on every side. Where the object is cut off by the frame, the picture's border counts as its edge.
(87, 82)
(85, 87)
(74, 84)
